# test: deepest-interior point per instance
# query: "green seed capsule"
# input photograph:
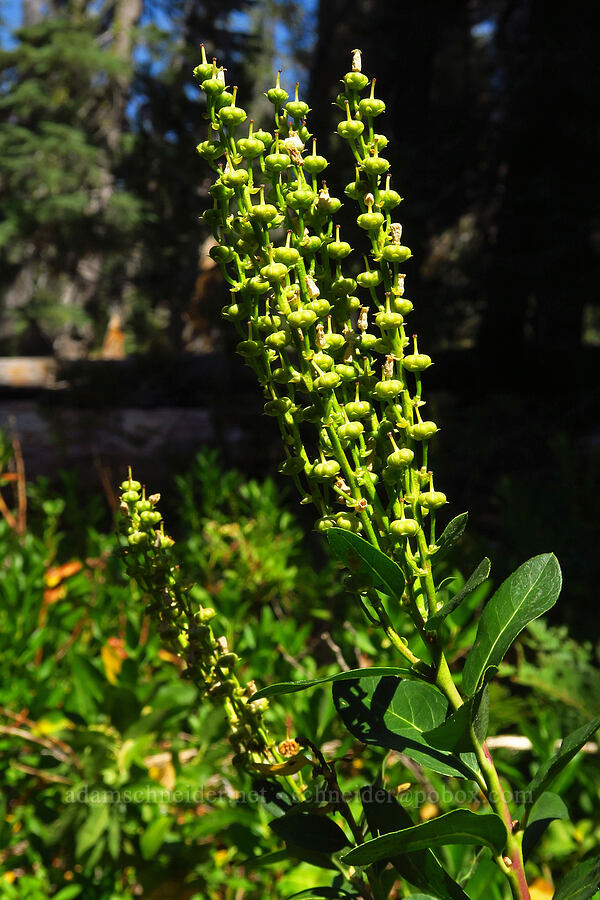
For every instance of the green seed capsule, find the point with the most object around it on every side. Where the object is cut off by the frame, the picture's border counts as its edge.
(376, 165)
(303, 198)
(221, 253)
(292, 466)
(277, 407)
(326, 471)
(277, 96)
(356, 190)
(282, 376)
(358, 409)
(371, 107)
(278, 340)
(389, 320)
(234, 312)
(347, 521)
(268, 323)
(277, 162)
(302, 318)
(310, 414)
(223, 99)
(346, 372)
(227, 660)
(297, 109)
(220, 191)
(400, 459)
(212, 217)
(386, 390)
(367, 342)
(213, 86)
(258, 285)
(206, 615)
(365, 476)
(263, 213)
(130, 496)
(422, 431)
(232, 116)
(249, 349)
(138, 538)
(143, 506)
(389, 199)
(339, 249)
(289, 256)
(210, 149)
(380, 141)
(274, 272)
(310, 245)
(342, 286)
(370, 221)
(329, 205)
(321, 307)
(397, 253)
(350, 129)
(327, 382)
(324, 361)
(325, 523)
(355, 81)
(203, 71)
(402, 305)
(351, 430)
(432, 499)
(341, 100)
(404, 527)
(150, 517)
(416, 362)
(369, 279)
(315, 164)
(250, 148)
(335, 341)
(264, 137)
(130, 484)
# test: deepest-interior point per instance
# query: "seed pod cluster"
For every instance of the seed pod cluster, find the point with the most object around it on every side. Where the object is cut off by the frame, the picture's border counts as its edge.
(185, 626)
(323, 326)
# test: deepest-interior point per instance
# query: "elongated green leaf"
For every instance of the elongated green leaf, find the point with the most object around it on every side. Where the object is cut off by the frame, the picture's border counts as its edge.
(154, 835)
(478, 577)
(454, 732)
(95, 824)
(546, 809)
(264, 859)
(69, 892)
(317, 893)
(582, 882)
(396, 714)
(451, 534)
(310, 832)
(360, 556)
(290, 687)
(460, 826)
(569, 748)
(384, 815)
(526, 594)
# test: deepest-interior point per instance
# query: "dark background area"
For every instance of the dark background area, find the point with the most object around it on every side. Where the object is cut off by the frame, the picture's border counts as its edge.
(492, 116)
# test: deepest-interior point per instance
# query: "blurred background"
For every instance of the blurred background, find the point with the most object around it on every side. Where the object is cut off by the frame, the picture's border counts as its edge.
(112, 352)
(111, 345)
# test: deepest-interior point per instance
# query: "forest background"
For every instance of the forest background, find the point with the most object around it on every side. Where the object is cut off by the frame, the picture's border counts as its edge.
(493, 120)
(492, 116)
